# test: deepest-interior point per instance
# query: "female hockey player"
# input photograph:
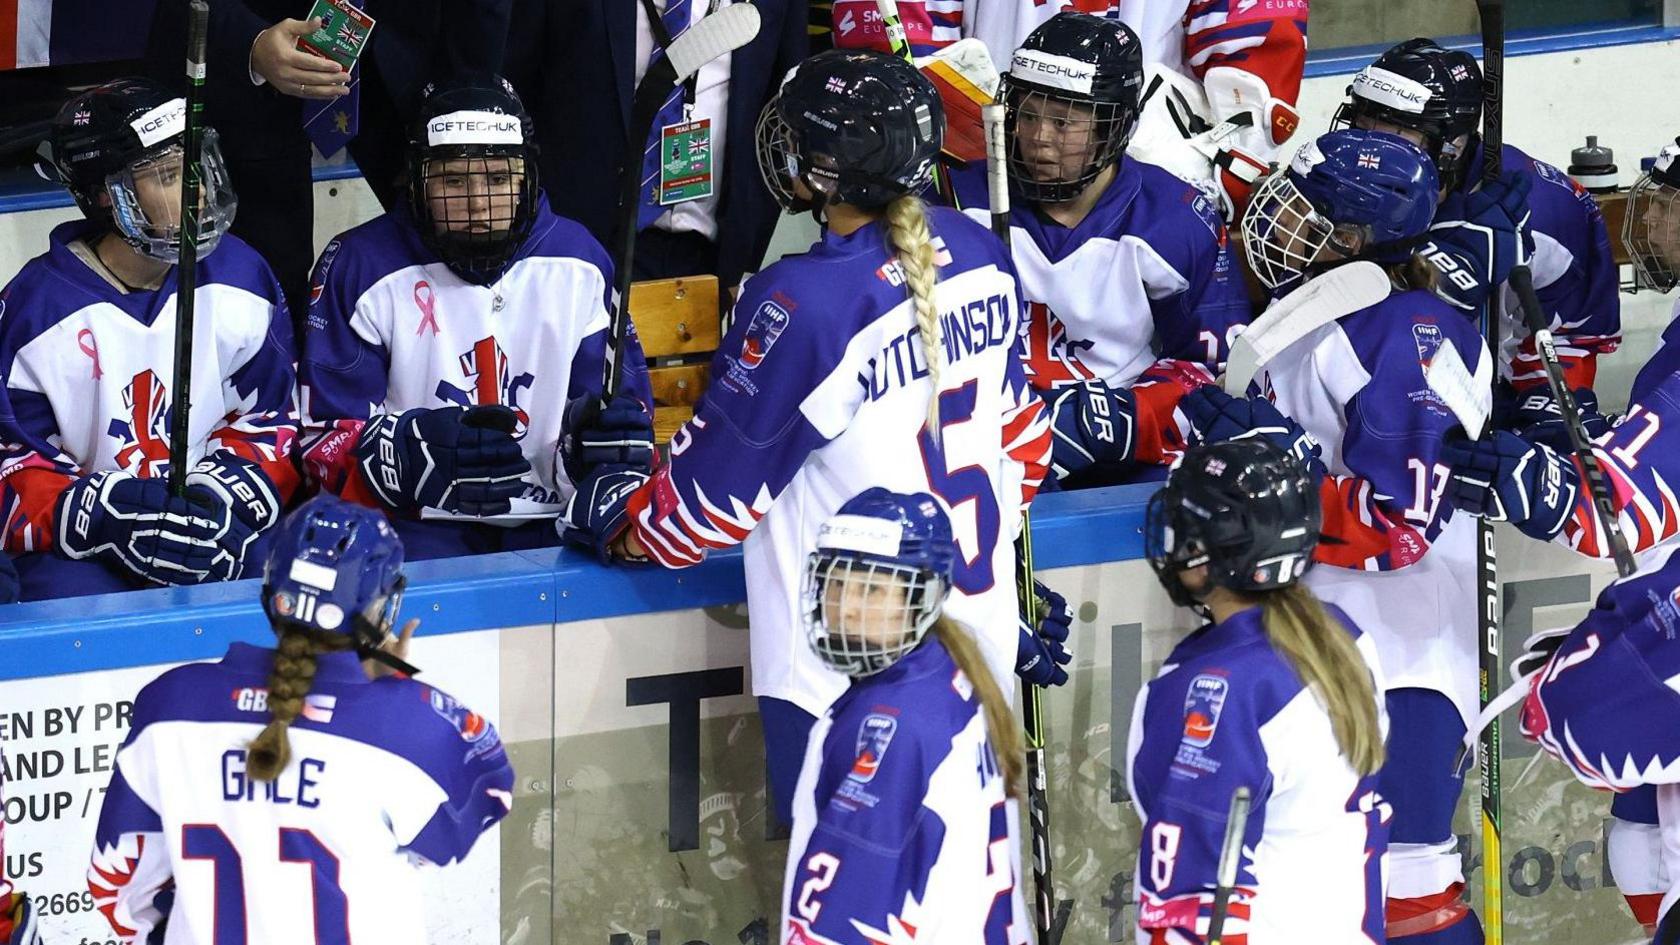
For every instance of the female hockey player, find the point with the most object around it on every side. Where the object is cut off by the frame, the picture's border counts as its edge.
(17, 913)
(1126, 269)
(283, 796)
(447, 338)
(825, 385)
(1397, 560)
(894, 836)
(1276, 693)
(87, 354)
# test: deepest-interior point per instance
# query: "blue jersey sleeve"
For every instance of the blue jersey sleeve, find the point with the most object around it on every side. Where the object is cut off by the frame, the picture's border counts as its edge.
(1199, 323)
(341, 374)
(466, 758)
(1641, 459)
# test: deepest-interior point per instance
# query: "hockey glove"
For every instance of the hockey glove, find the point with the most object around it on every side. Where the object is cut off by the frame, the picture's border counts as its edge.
(1506, 478)
(1538, 419)
(240, 487)
(618, 434)
(1215, 416)
(25, 930)
(1091, 423)
(599, 511)
(1477, 251)
(125, 520)
(458, 460)
(1040, 654)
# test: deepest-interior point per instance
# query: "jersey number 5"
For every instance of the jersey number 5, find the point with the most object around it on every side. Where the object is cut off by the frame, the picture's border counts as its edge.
(208, 842)
(971, 572)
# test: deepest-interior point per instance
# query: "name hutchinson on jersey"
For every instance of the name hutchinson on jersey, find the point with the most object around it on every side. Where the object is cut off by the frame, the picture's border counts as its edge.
(980, 324)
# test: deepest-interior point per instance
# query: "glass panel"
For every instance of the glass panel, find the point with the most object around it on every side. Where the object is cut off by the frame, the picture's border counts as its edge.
(1366, 22)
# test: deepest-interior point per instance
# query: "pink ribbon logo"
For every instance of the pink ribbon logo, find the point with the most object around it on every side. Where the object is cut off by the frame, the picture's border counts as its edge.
(90, 347)
(427, 304)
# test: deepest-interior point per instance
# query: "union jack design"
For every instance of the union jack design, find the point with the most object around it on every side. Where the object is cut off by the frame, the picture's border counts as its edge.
(143, 439)
(490, 380)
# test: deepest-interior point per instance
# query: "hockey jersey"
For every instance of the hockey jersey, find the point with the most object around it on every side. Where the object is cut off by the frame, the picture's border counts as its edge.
(1228, 711)
(1358, 386)
(1575, 273)
(1664, 361)
(901, 827)
(384, 774)
(1148, 275)
(391, 328)
(820, 390)
(85, 371)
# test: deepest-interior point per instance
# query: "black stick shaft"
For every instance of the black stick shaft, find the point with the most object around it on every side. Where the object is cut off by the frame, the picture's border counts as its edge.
(192, 171)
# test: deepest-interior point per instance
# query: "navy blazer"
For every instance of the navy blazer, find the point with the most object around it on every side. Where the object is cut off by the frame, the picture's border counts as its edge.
(580, 92)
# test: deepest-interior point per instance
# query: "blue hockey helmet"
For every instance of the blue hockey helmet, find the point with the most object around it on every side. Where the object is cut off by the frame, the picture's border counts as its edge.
(852, 126)
(1358, 194)
(1246, 509)
(877, 580)
(335, 567)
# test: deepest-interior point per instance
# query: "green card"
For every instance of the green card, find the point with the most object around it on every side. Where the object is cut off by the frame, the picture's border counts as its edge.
(685, 161)
(343, 34)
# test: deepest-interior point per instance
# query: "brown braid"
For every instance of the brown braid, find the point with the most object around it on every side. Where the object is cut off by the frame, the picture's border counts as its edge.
(289, 681)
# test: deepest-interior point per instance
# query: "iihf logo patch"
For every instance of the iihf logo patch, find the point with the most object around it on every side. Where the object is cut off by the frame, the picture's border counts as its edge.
(470, 724)
(766, 326)
(1203, 704)
(873, 738)
(1428, 338)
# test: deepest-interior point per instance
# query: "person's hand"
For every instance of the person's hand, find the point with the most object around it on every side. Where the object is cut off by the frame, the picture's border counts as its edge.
(276, 57)
(397, 647)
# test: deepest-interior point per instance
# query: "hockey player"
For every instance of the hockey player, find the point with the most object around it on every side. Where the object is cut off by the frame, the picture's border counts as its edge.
(894, 835)
(1127, 272)
(446, 339)
(283, 796)
(1357, 386)
(87, 353)
(1219, 60)
(1276, 693)
(825, 385)
(1533, 213)
(17, 915)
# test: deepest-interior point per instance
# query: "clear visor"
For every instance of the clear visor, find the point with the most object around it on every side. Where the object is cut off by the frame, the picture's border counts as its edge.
(146, 201)
(1282, 233)
(1651, 232)
(862, 616)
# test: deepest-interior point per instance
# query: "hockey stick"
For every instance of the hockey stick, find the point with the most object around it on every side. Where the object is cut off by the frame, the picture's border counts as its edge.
(898, 42)
(728, 29)
(1487, 569)
(1049, 917)
(1325, 298)
(1469, 397)
(192, 176)
(1522, 282)
(1230, 857)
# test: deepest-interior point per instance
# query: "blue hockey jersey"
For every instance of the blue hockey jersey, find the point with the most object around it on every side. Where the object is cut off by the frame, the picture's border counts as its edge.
(902, 831)
(1228, 711)
(383, 774)
(391, 328)
(85, 371)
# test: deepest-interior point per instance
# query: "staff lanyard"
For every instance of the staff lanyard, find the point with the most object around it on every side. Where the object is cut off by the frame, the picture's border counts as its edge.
(662, 36)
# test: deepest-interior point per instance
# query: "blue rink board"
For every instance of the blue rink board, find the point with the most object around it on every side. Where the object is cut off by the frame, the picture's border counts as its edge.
(486, 592)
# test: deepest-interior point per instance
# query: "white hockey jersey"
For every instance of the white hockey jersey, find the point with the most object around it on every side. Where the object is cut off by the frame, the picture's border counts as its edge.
(1228, 711)
(383, 775)
(819, 391)
(391, 328)
(901, 828)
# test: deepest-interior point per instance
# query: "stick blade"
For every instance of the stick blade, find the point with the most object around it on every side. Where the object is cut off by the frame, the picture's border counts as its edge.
(1341, 291)
(728, 29)
(1469, 397)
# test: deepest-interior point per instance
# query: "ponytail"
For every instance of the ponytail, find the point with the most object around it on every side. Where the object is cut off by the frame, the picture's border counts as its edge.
(1001, 726)
(1415, 272)
(1323, 654)
(912, 243)
(288, 682)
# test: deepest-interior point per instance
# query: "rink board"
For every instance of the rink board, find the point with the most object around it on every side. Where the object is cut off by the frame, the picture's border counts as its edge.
(640, 809)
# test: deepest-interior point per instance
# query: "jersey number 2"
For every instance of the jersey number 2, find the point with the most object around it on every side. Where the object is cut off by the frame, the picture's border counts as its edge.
(208, 842)
(971, 573)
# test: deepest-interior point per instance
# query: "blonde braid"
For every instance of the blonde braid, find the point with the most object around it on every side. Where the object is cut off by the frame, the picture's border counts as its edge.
(288, 683)
(912, 243)
(1324, 655)
(1001, 726)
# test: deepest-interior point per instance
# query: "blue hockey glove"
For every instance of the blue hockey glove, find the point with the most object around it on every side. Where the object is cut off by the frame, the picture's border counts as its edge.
(1091, 423)
(1538, 419)
(132, 522)
(246, 500)
(594, 436)
(1040, 654)
(449, 458)
(1506, 478)
(1216, 416)
(1477, 251)
(599, 510)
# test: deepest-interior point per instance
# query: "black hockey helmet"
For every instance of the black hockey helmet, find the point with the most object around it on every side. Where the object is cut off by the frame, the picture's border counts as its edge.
(1080, 70)
(1419, 86)
(1245, 508)
(1651, 224)
(853, 126)
(473, 175)
(117, 149)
